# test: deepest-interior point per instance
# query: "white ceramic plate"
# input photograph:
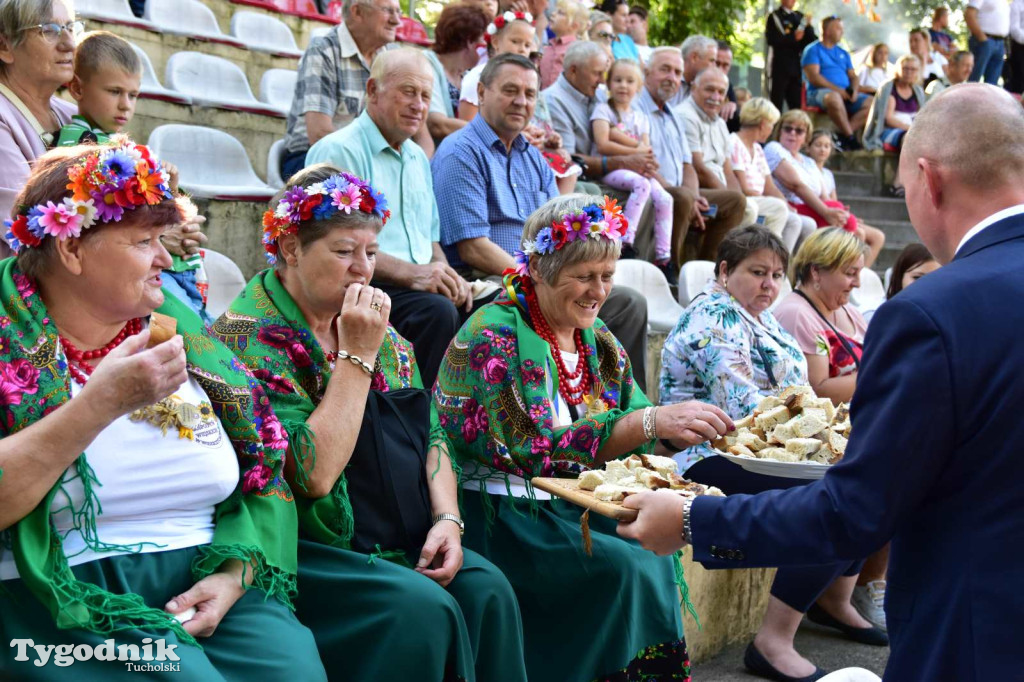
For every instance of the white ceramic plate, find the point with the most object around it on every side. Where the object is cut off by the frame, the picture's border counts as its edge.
(769, 467)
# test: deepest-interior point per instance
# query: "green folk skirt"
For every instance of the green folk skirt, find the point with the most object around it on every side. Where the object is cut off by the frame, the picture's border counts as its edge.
(377, 621)
(258, 639)
(611, 616)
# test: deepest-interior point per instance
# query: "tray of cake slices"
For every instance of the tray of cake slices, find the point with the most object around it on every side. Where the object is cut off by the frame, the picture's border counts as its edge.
(794, 434)
(603, 490)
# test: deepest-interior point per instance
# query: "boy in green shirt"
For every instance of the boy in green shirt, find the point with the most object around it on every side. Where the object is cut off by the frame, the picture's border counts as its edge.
(108, 76)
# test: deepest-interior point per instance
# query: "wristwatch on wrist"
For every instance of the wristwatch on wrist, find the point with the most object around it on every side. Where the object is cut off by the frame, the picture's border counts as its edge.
(451, 517)
(687, 535)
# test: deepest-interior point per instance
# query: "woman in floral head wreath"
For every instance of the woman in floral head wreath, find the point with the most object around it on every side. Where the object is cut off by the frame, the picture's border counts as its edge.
(534, 384)
(388, 596)
(142, 494)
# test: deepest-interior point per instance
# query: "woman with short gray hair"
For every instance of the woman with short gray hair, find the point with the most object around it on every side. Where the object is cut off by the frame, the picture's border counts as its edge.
(37, 46)
(534, 384)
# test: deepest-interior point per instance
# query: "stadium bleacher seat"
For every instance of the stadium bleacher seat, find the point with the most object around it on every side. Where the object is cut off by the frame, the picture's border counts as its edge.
(887, 279)
(662, 310)
(412, 31)
(211, 163)
(870, 294)
(264, 34)
(214, 81)
(277, 87)
(151, 87)
(189, 18)
(274, 157)
(319, 32)
(111, 12)
(226, 281)
(301, 8)
(693, 276)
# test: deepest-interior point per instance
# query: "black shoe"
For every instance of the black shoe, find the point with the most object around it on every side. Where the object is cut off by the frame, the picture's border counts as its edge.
(872, 636)
(670, 272)
(851, 144)
(759, 665)
(628, 252)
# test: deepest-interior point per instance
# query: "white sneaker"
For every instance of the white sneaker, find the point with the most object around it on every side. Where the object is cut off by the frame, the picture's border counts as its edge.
(869, 600)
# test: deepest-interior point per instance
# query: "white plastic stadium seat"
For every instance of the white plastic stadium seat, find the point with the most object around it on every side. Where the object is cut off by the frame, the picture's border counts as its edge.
(320, 32)
(151, 87)
(111, 12)
(277, 87)
(264, 33)
(887, 279)
(212, 163)
(662, 310)
(870, 294)
(274, 157)
(214, 81)
(226, 282)
(189, 18)
(693, 277)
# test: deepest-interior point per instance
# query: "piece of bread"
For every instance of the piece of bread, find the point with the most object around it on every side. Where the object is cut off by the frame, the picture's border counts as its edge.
(742, 451)
(784, 432)
(759, 432)
(652, 479)
(749, 440)
(796, 390)
(161, 328)
(589, 480)
(744, 423)
(806, 425)
(823, 404)
(615, 470)
(841, 414)
(768, 420)
(633, 462)
(804, 447)
(769, 403)
(663, 465)
(822, 456)
(836, 445)
(611, 492)
(779, 455)
(714, 492)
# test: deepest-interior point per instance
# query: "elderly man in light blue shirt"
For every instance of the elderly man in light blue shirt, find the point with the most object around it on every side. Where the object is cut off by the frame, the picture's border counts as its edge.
(428, 298)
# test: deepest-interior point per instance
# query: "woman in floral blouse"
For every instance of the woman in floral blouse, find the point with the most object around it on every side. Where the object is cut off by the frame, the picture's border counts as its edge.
(347, 391)
(727, 348)
(535, 385)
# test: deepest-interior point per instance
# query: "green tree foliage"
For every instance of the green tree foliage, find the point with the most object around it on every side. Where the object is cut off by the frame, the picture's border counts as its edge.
(671, 21)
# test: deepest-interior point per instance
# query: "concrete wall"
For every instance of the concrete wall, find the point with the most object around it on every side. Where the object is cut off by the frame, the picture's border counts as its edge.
(235, 229)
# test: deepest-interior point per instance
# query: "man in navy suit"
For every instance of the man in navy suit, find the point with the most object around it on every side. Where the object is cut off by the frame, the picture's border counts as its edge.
(935, 462)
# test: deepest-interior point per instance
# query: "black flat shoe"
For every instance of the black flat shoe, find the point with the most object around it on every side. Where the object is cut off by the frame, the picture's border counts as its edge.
(872, 636)
(759, 665)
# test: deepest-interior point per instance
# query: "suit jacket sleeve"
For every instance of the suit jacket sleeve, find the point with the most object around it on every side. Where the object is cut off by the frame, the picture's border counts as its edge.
(904, 433)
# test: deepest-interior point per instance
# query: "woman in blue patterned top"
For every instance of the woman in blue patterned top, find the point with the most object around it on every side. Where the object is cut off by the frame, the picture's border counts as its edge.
(727, 348)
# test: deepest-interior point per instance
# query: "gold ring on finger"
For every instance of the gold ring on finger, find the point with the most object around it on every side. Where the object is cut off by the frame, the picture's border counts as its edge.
(376, 306)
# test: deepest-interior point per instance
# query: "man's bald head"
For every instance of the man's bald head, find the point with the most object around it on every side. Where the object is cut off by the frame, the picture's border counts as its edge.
(975, 131)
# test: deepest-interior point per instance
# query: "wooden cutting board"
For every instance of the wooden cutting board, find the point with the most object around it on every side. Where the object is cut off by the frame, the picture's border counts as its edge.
(566, 489)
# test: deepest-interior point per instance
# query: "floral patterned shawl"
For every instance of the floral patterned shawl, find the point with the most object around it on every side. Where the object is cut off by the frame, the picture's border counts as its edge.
(269, 333)
(256, 524)
(494, 391)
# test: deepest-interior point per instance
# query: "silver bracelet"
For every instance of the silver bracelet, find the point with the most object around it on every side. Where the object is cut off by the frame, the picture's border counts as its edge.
(687, 532)
(650, 424)
(356, 360)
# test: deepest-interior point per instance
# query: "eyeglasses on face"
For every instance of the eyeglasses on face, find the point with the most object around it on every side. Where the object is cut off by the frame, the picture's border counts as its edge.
(794, 130)
(52, 31)
(605, 35)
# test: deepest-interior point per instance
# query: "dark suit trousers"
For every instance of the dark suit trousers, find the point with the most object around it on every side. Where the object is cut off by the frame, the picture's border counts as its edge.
(786, 86)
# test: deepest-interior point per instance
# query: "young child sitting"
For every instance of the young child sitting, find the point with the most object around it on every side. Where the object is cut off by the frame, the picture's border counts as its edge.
(620, 130)
(567, 22)
(108, 76)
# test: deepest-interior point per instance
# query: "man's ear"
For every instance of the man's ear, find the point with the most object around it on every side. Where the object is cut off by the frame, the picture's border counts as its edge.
(933, 177)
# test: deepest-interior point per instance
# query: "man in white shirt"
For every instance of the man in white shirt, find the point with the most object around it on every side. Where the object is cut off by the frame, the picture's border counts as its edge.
(989, 24)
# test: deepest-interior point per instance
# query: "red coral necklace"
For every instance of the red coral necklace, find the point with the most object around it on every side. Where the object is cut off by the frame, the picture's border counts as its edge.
(572, 396)
(78, 360)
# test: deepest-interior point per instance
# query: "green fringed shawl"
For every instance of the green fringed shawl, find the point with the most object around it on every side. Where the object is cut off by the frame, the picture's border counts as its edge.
(269, 333)
(493, 395)
(257, 524)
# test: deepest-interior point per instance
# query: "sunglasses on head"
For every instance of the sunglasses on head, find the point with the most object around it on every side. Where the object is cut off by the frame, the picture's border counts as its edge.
(795, 130)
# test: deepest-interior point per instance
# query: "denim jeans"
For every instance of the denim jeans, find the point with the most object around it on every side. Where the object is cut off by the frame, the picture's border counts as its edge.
(988, 59)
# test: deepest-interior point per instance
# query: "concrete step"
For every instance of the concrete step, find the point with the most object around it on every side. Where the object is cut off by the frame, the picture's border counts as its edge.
(856, 184)
(862, 161)
(897, 235)
(875, 209)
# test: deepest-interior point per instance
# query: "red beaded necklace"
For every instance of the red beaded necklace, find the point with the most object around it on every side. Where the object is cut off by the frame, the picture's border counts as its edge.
(572, 396)
(84, 369)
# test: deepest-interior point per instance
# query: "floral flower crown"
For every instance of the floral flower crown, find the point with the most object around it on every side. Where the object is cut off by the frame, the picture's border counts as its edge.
(341, 193)
(593, 221)
(503, 20)
(116, 178)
